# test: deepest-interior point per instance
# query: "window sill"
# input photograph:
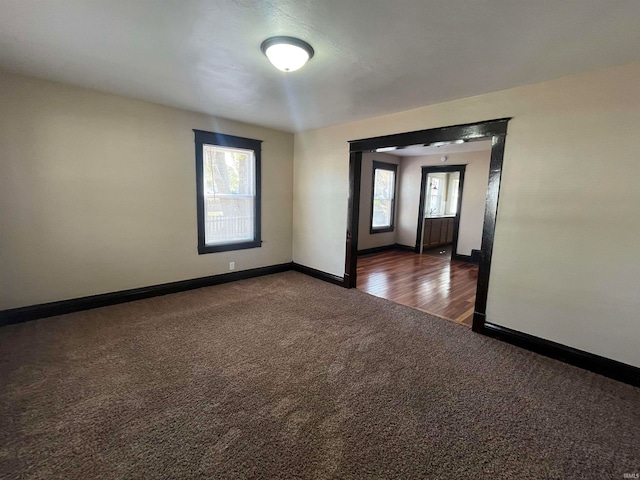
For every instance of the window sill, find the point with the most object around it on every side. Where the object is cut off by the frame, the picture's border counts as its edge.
(227, 247)
(381, 230)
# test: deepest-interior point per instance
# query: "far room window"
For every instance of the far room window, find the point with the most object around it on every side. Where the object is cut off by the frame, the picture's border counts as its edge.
(442, 194)
(228, 188)
(383, 197)
(436, 193)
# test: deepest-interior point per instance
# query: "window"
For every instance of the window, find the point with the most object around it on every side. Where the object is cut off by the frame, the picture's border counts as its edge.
(441, 197)
(383, 197)
(454, 186)
(435, 205)
(228, 187)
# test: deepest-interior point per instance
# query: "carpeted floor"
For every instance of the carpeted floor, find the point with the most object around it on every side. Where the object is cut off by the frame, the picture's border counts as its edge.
(285, 376)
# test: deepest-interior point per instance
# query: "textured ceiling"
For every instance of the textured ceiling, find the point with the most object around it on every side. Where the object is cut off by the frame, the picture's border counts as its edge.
(372, 57)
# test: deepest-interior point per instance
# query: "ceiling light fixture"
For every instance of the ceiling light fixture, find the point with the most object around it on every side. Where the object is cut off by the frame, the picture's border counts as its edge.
(386, 149)
(440, 144)
(287, 53)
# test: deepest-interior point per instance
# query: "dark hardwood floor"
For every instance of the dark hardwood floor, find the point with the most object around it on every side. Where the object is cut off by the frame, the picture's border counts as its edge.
(434, 284)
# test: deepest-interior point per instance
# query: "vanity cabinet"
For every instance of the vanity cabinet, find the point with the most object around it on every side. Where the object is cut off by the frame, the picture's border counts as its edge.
(437, 231)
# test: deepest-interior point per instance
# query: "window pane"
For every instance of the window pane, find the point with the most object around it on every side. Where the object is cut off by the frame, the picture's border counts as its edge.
(381, 213)
(453, 209)
(434, 198)
(229, 191)
(384, 185)
(228, 219)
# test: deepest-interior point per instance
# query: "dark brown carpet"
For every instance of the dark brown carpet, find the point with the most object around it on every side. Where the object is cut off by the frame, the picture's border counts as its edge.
(286, 376)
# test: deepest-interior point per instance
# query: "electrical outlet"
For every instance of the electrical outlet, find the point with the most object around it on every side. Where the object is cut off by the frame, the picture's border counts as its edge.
(232, 265)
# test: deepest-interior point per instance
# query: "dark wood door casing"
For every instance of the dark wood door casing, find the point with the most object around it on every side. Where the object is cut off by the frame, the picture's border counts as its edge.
(496, 130)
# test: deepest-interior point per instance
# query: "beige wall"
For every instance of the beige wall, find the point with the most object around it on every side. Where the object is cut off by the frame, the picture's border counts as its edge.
(98, 194)
(366, 239)
(473, 199)
(566, 265)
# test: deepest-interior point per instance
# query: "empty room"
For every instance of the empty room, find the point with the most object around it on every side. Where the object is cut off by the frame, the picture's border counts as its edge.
(189, 195)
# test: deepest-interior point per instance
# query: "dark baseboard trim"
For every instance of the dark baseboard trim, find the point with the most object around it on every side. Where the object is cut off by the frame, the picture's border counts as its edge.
(44, 310)
(579, 358)
(405, 248)
(33, 312)
(595, 363)
(386, 248)
(464, 258)
(383, 248)
(319, 274)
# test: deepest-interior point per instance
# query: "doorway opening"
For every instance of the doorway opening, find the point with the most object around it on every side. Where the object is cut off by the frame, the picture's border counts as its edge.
(439, 210)
(445, 203)
(415, 262)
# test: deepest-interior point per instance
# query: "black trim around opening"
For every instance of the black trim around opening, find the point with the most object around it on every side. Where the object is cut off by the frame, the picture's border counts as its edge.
(496, 130)
(223, 140)
(467, 131)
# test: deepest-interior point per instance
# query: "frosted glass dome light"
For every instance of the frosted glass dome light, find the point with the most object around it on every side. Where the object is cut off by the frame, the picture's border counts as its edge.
(287, 53)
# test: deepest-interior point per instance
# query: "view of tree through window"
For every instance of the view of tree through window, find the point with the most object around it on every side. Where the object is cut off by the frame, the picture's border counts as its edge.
(229, 191)
(384, 184)
(228, 170)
